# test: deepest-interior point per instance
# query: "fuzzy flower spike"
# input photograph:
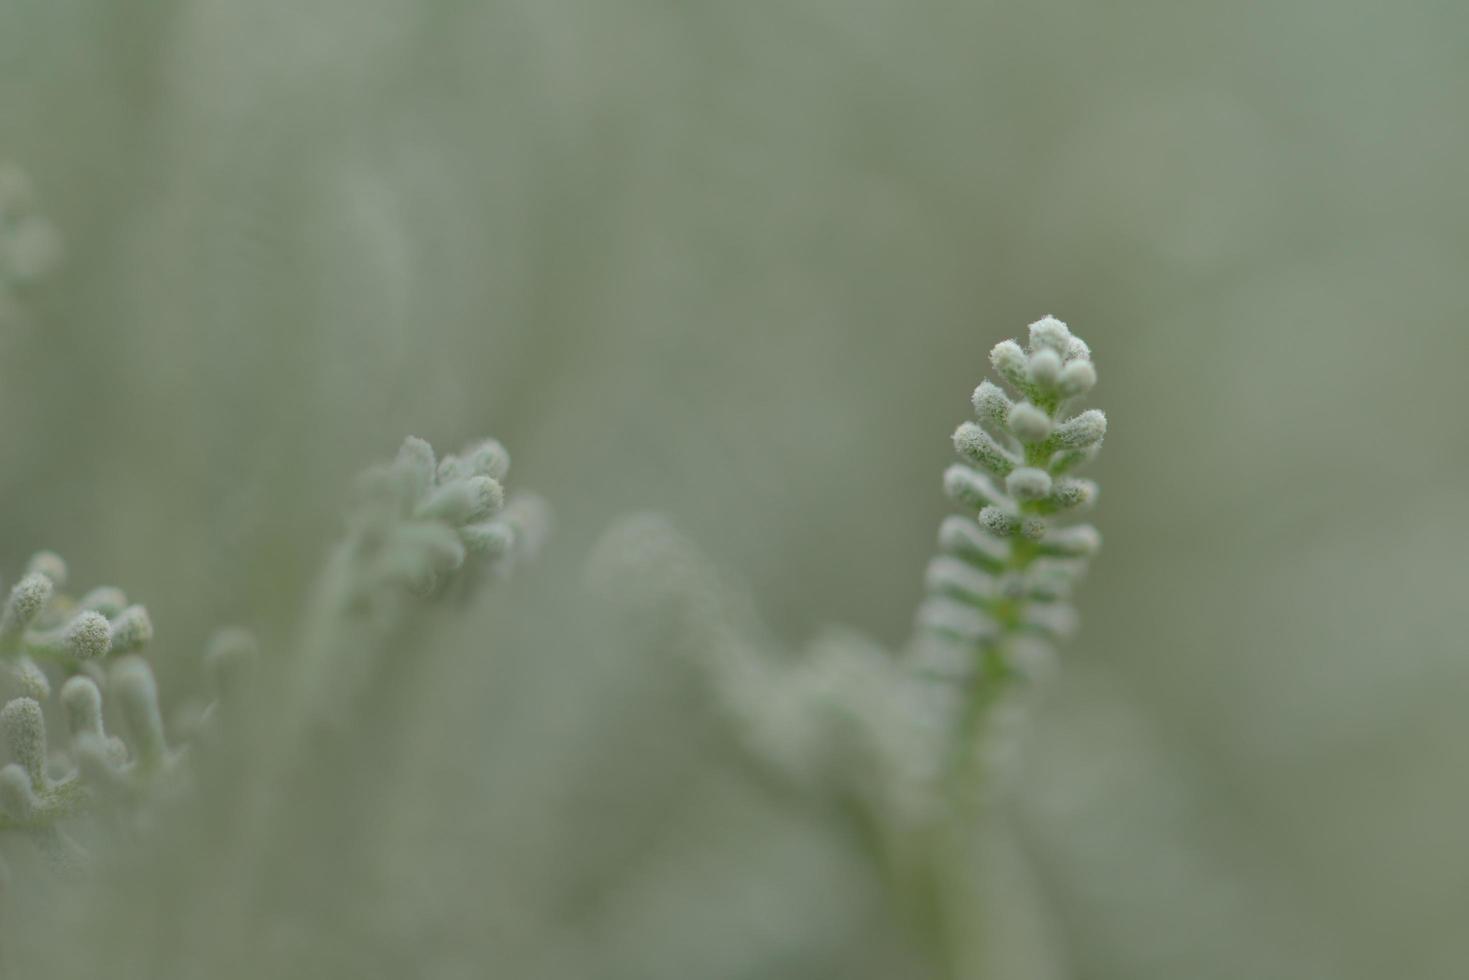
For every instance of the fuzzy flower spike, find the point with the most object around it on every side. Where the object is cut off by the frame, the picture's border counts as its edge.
(997, 592)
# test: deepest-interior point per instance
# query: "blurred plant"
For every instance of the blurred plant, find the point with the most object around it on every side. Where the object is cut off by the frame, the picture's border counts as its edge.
(421, 529)
(904, 747)
(99, 779)
(29, 244)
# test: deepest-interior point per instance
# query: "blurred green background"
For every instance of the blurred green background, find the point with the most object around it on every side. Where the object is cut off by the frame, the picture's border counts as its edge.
(742, 263)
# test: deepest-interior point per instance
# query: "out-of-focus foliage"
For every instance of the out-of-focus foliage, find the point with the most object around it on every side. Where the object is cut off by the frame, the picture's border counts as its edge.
(741, 263)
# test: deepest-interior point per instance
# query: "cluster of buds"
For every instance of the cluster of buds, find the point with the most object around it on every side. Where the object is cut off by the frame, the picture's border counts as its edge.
(90, 644)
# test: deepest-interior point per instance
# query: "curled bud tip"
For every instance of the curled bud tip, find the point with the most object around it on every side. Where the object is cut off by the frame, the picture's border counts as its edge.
(1028, 483)
(1029, 423)
(88, 635)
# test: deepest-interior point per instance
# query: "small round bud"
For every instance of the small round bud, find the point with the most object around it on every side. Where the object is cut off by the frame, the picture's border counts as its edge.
(1028, 483)
(1045, 368)
(1077, 378)
(991, 404)
(1077, 350)
(1049, 333)
(49, 564)
(1071, 493)
(1029, 423)
(88, 635)
(131, 630)
(28, 597)
(1033, 528)
(1000, 523)
(24, 729)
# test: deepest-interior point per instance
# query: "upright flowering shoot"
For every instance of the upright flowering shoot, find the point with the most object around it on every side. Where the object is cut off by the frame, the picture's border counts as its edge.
(997, 592)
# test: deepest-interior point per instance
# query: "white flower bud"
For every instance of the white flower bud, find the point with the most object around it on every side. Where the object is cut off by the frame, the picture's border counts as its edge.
(1050, 333)
(88, 635)
(1077, 378)
(957, 578)
(1082, 430)
(488, 458)
(1028, 483)
(1000, 523)
(972, 488)
(1078, 541)
(49, 564)
(493, 539)
(978, 446)
(1033, 528)
(131, 630)
(17, 797)
(83, 703)
(24, 729)
(137, 695)
(1073, 493)
(957, 619)
(1029, 423)
(1044, 368)
(30, 679)
(463, 501)
(961, 537)
(991, 404)
(416, 462)
(1009, 360)
(27, 598)
(106, 600)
